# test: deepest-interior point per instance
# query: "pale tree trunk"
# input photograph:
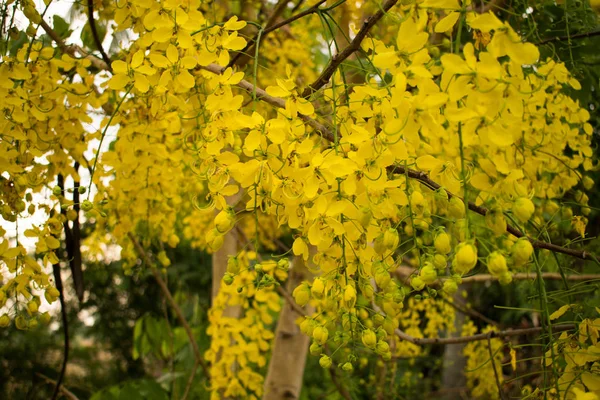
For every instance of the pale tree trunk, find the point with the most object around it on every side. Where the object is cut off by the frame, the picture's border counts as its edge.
(288, 359)
(453, 376)
(219, 267)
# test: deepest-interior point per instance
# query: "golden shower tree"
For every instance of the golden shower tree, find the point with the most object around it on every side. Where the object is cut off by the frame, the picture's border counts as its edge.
(350, 165)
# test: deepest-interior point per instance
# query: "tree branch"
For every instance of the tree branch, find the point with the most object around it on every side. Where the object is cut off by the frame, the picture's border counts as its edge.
(97, 40)
(65, 321)
(270, 26)
(404, 272)
(581, 35)
(180, 317)
(72, 50)
(480, 336)
(349, 50)
(68, 394)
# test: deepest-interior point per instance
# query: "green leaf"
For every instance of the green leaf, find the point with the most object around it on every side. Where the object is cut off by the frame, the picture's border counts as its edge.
(88, 38)
(17, 43)
(61, 27)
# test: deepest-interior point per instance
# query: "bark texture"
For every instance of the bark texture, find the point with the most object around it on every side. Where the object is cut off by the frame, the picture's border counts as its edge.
(286, 368)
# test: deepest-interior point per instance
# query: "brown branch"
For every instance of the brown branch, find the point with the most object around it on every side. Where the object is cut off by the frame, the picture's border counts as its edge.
(338, 385)
(270, 27)
(65, 321)
(72, 50)
(581, 35)
(97, 40)
(66, 392)
(464, 309)
(480, 336)
(485, 7)
(349, 50)
(180, 317)
(290, 300)
(403, 272)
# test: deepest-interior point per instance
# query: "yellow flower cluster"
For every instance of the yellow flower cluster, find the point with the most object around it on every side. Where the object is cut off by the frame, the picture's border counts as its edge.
(241, 327)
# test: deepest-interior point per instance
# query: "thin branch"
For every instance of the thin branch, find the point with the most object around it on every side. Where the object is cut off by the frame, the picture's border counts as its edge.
(480, 336)
(290, 300)
(470, 312)
(338, 385)
(485, 7)
(489, 340)
(66, 392)
(97, 40)
(180, 317)
(349, 50)
(65, 322)
(270, 27)
(403, 272)
(581, 35)
(72, 50)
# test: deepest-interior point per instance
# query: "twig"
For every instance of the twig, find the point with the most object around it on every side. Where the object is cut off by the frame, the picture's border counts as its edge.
(338, 385)
(480, 336)
(72, 50)
(291, 301)
(403, 272)
(349, 50)
(268, 29)
(65, 321)
(489, 340)
(581, 35)
(70, 395)
(180, 317)
(97, 41)
(470, 312)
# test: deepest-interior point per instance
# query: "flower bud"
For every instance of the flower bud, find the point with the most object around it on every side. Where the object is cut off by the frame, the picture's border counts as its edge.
(302, 294)
(391, 239)
(428, 273)
(228, 279)
(233, 265)
(87, 205)
(417, 283)
(350, 296)
(347, 366)
(497, 264)
(32, 307)
(521, 251)
(382, 277)
(317, 288)
(369, 338)
(325, 361)
(523, 209)
(442, 243)
(315, 349)
(440, 261)
(4, 321)
(450, 287)
(320, 334)
(225, 220)
(465, 258)
(456, 208)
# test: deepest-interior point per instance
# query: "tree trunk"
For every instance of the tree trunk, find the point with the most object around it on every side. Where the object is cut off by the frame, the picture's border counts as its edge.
(453, 376)
(286, 368)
